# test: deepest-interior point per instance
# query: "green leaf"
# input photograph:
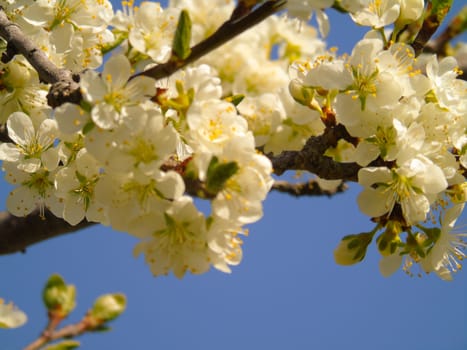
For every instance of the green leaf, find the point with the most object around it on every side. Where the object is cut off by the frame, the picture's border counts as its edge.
(235, 99)
(181, 42)
(218, 173)
(88, 127)
(64, 345)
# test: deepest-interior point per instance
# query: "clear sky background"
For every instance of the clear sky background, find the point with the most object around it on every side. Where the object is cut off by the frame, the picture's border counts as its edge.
(288, 293)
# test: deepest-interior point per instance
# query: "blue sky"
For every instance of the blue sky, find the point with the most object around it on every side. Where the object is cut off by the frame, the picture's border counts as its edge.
(286, 294)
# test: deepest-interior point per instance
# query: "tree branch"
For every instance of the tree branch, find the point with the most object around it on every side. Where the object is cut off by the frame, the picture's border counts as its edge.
(311, 157)
(17, 233)
(309, 188)
(229, 30)
(433, 19)
(456, 27)
(64, 87)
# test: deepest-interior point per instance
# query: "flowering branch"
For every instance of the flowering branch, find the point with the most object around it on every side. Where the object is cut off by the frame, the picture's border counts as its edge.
(229, 30)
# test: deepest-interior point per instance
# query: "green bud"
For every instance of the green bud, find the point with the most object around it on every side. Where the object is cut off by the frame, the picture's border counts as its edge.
(388, 243)
(58, 297)
(182, 38)
(352, 248)
(218, 173)
(300, 93)
(108, 307)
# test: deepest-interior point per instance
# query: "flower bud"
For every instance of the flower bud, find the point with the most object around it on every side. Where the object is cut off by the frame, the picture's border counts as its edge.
(388, 243)
(352, 248)
(58, 297)
(389, 240)
(411, 10)
(300, 93)
(108, 307)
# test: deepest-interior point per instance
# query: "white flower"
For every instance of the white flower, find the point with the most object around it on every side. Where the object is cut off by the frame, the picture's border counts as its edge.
(11, 316)
(200, 79)
(449, 91)
(131, 200)
(145, 147)
(21, 90)
(225, 245)
(34, 190)
(413, 185)
(71, 118)
(411, 10)
(298, 124)
(207, 15)
(445, 256)
(75, 184)
(303, 9)
(89, 15)
(212, 124)
(153, 30)
(75, 29)
(178, 241)
(377, 13)
(112, 94)
(263, 113)
(32, 149)
(240, 199)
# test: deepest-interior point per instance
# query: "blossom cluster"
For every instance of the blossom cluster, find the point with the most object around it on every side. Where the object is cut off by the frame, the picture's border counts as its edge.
(135, 152)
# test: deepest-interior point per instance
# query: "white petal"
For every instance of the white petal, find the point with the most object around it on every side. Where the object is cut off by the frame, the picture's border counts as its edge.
(117, 70)
(21, 201)
(50, 159)
(73, 211)
(388, 265)
(373, 175)
(30, 165)
(374, 202)
(9, 152)
(20, 128)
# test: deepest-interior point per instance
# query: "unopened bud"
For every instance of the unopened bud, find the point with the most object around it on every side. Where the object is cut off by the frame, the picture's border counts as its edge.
(108, 307)
(300, 93)
(352, 248)
(59, 297)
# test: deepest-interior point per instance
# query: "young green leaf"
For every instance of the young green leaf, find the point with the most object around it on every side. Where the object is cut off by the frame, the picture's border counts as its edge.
(182, 38)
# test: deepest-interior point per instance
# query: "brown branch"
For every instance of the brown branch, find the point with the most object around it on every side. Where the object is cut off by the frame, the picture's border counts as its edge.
(64, 87)
(17, 233)
(4, 134)
(456, 27)
(430, 24)
(311, 157)
(309, 188)
(222, 35)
